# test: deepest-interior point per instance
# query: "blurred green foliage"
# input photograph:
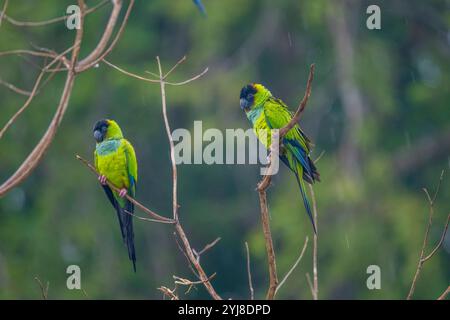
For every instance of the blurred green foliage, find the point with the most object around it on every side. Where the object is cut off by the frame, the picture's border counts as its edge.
(374, 214)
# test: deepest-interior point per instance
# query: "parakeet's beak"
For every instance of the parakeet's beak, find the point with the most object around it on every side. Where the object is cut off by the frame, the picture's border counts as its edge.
(98, 136)
(245, 105)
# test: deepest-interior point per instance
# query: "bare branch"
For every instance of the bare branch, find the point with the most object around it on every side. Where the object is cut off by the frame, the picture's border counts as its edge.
(101, 45)
(273, 278)
(174, 67)
(444, 294)
(148, 219)
(294, 266)
(296, 118)
(249, 273)
(129, 73)
(32, 94)
(132, 200)
(39, 150)
(44, 290)
(201, 74)
(88, 65)
(168, 292)
(14, 88)
(190, 254)
(171, 143)
(423, 258)
(206, 248)
(440, 241)
(2, 14)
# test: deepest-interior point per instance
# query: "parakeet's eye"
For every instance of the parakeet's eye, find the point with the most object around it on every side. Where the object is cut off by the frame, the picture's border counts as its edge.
(250, 96)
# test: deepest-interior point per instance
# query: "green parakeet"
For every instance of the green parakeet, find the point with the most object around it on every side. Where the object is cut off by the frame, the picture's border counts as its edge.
(115, 160)
(266, 112)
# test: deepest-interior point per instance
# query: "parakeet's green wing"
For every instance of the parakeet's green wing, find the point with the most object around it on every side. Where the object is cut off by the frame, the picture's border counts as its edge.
(278, 115)
(131, 167)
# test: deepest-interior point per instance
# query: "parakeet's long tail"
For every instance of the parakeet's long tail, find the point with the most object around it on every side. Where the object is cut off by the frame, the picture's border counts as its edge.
(125, 222)
(301, 185)
(129, 233)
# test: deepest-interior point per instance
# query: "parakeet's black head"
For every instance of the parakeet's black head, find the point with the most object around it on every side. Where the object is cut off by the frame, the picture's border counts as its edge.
(100, 129)
(107, 129)
(253, 95)
(247, 97)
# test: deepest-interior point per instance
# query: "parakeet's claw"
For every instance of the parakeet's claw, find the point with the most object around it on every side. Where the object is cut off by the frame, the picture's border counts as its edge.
(102, 179)
(123, 192)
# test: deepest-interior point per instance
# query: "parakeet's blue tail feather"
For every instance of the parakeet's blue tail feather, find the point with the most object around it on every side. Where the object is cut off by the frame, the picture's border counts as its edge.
(301, 185)
(200, 6)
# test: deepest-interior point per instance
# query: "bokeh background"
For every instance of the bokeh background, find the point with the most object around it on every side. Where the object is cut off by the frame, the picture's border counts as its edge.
(379, 110)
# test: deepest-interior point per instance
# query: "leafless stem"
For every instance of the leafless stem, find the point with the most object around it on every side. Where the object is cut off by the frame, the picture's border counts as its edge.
(423, 258)
(444, 294)
(129, 73)
(276, 137)
(294, 266)
(249, 273)
(44, 289)
(169, 136)
(2, 14)
(206, 248)
(168, 292)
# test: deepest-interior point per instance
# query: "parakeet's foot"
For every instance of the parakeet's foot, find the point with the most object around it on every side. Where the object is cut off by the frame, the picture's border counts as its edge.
(123, 192)
(102, 179)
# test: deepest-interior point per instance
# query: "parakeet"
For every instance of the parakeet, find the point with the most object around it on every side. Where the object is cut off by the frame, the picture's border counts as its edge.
(266, 112)
(115, 160)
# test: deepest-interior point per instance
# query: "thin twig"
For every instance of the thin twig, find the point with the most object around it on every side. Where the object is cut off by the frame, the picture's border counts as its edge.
(44, 290)
(2, 14)
(206, 248)
(168, 292)
(422, 257)
(148, 219)
(249, 273)
(14, 88)
(84, 65)
(310, 284)
(129, 73)
(128, 197)
(169, 136)
(444, 294)
(294, 266)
